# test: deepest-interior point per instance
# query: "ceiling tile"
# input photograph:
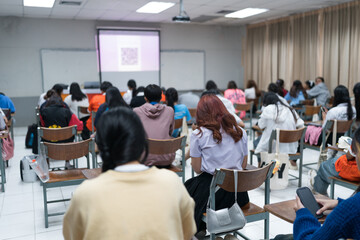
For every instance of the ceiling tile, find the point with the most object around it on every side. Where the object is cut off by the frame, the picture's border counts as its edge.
(36, 11)
(11, 2)
(11, 10)
(89, 14)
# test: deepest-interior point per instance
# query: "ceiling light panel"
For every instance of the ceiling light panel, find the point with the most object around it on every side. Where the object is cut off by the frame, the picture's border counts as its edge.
(39, 3)
(247, 12)
(155, 7)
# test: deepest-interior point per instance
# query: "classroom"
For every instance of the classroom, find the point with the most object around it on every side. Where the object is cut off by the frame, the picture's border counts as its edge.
(114, 98)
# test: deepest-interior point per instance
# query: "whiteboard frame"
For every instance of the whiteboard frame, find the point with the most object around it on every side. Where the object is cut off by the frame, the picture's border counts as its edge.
(186, 51)
(64, 50)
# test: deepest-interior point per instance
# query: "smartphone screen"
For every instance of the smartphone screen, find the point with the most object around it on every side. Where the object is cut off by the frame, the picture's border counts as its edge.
(308, 200)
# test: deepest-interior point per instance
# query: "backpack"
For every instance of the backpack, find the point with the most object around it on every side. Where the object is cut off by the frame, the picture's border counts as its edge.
(30, 136)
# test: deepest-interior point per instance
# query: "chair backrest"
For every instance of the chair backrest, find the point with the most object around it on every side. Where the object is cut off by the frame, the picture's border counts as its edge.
(166, 146)
(309, 102)
(68, 151)
(57, 134)
(256, 101)
(178, 123)
(288, 136)
(192, 112)
(342, 126)
(83, 110)
(244, 107)
(7, 113)
(311, 110)
(247, 179)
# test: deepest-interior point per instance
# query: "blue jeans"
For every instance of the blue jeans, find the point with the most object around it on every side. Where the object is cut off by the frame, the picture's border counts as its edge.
(326, 170)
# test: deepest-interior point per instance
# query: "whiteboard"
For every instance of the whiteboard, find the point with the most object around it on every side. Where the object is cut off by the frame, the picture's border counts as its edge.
(183, 70)
(67, 66)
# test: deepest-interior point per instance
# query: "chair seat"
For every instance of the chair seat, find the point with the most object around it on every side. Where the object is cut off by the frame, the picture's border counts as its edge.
(295, 154)
(249, 209)
(66, 175)
(337, 179)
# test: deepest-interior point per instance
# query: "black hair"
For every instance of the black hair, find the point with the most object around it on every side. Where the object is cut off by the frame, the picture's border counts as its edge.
(54, 100)
(210, 92)
(76, 93)
(58, 89)
(280, 83)
(341, 95)
(296, 88)
(321, 78)
(211, 85)
(139, 90)
(153, 93)
(232, 85)
(1, 93)
(121, 138)
(105, 85)
(171, 97)
(356, 91)
(310, 84)
(272, 98)
(274, 88)
(132, 84)
(114, 98)
(50, 93)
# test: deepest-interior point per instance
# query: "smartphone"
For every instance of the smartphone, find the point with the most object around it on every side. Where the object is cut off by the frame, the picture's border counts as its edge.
(308, 200)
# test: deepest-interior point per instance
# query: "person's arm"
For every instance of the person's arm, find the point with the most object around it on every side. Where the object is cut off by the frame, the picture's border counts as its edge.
(244, 163)
(195, 152)
(187, 206)
(196, 164)
(313, 92)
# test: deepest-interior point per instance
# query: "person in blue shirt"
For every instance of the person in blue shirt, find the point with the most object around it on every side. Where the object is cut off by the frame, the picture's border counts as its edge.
(296, 94)
(180, 109)
(342, 223)
(5, 102)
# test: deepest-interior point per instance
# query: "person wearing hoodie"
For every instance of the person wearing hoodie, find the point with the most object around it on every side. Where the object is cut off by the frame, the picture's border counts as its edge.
(319, 91)
(158, 121)
(276, 114)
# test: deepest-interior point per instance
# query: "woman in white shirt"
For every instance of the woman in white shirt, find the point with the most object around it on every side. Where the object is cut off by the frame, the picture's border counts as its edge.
(131, 92)
(276, 114)
(252, 91)
(77, 99)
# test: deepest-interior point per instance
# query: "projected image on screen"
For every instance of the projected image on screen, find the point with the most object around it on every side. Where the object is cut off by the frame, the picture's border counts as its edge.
(128, 55)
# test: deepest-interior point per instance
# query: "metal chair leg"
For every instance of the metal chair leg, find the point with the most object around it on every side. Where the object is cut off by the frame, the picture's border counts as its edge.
(45, 206)
(332, 188)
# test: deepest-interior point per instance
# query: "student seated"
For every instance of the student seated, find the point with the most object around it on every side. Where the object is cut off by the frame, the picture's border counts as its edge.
(281, 85)
(342, 223)
(344, 167)
(58, 88)
(320, 92)
(131, 92)
(129, 200)
(158, 121)
(139, 99)
(217, 142)
(180, 110)
(5, 102)
(235, 95)
(276, 114)
(342, 110)
(252, 91)
(297, 94)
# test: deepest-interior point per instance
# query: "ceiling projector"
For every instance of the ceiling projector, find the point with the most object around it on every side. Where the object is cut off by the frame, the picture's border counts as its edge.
(181, 18)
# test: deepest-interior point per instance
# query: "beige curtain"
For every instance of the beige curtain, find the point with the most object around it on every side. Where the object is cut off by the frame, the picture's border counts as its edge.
(302, 47)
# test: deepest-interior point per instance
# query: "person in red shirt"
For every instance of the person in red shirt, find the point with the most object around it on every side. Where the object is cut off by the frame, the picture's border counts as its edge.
(96, 101)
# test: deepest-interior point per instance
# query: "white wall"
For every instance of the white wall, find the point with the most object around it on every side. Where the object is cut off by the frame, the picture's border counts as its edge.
(22, 38)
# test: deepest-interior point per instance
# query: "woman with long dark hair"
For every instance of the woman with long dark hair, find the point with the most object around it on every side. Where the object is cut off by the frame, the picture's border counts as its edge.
(252, 91)
(276, 114)
(131, 92)
(113, 99)
(356, 91)
(217, 142)
(77, 99)
(296, 94)
(128, 200)
(180, 110)
(342, 223)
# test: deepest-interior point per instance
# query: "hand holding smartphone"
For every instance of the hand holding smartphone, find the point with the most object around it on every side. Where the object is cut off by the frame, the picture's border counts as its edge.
(309, 201)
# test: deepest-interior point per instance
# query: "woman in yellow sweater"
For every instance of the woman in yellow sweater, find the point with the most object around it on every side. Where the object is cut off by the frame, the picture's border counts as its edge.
(128, 200)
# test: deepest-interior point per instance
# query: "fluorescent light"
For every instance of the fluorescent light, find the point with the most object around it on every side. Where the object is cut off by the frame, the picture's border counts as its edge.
(155, 7)
(39, 3)
(247, 12)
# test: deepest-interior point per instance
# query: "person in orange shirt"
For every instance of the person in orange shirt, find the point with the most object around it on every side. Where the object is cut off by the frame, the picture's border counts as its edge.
(96, 101)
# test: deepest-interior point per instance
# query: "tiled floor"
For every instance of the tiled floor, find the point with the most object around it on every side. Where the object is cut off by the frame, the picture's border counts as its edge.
(22, 211)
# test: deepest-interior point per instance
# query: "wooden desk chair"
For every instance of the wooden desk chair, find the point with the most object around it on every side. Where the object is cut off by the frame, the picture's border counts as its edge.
(307, 112)
(309, 102)
(193, 116)
(247, 180)
(248, 108)
(160, 147)
(56, 134)
(344, 127)
(61, 178)
(291, 136)
(3, 134)
(341, 182)
(178, 123)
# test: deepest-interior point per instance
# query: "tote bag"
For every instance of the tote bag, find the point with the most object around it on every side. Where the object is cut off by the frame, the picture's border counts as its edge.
(280, 178)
